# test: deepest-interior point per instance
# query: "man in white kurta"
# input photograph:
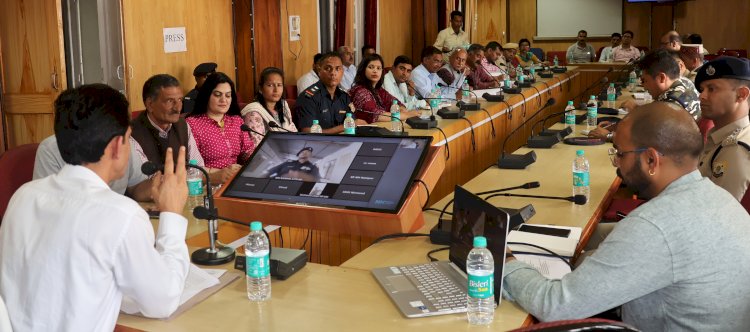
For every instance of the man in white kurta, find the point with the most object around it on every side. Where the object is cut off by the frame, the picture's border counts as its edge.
(71, 248)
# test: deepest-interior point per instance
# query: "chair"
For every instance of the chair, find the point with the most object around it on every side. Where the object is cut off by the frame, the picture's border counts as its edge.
(135, 114)
(561, 60)
(643, 49)
(739, 53)
(588, 324)
(709, 57)
(538, 52)
(745, 201)
(291, 91)
(386, 70)
(16, 168)
(4, 319)
(599, 53)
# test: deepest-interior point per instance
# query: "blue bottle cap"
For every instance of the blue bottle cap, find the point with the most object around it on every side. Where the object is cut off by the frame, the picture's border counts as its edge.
(193, 162)
(480, 242)
(256, 226)
(579, 153)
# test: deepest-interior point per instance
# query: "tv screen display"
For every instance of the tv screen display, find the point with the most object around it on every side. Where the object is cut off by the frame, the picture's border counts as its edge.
(354, 172)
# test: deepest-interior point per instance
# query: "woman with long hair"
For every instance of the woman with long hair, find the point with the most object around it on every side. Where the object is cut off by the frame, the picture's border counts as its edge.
(270, 111)
(371, 101)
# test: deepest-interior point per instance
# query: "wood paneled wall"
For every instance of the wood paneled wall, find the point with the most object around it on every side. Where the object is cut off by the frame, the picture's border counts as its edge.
(395, 18)
(723, 23)
(298, 55)
(637, 18)
(491, 22)
(209, 39)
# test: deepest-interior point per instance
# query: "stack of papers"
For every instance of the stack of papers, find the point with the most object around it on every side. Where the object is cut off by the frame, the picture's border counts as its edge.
(550, 267)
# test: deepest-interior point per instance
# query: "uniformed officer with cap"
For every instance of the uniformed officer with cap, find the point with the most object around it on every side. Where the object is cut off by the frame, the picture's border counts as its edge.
(325, 101)
(300, 169)
(725, 92)
(200, 73)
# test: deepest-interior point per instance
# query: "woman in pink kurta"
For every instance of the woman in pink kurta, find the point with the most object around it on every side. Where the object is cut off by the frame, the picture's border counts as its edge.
(371, 101)
(216, 124)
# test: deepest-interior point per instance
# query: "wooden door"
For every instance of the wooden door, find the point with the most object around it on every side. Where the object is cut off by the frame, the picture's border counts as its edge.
(33, 67)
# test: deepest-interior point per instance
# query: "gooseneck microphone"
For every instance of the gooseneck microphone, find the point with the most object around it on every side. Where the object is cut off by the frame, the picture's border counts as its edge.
(601, 81)
(461, 104)
(512, 161)
(249, 130)
(578, 199)
(213, 255)
(275, 125)
(381, 130)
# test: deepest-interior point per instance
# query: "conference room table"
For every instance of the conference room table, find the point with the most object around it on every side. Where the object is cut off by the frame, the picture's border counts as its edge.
(347, 297)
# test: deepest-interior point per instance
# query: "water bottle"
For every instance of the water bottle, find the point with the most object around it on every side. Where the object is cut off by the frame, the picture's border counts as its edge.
(350, 128)
(480, 268)
(611, 95)
(581, 175)
(465, 92)
(519, 74)
(506, 82)
(396, 118)
(555, 61)
(434, 100)
(315, 128)
(592, 110)
(570, 115)
(532, 72)
(632, 81)
(195, 187)
(257, 264)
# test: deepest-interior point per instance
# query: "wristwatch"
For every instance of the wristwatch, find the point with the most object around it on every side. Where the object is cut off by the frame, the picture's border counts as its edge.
(609, 136)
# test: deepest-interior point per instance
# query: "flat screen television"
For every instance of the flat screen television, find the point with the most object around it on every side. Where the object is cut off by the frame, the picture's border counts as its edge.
(352, 172)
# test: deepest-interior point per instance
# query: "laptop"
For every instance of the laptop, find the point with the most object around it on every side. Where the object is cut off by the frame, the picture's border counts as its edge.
(440, 288)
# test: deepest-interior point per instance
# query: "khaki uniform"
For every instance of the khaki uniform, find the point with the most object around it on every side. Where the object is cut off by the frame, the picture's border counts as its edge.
(730, 167)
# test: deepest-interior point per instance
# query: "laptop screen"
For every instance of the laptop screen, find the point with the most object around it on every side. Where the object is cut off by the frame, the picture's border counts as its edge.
(473, 216)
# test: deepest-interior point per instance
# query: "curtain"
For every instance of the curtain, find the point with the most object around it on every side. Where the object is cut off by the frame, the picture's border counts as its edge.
(339, 37)
(371, 22)
(470, 19)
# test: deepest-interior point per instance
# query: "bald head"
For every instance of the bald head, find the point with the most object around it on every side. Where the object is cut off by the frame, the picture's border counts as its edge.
(671, 41)
(458, 59)
(667, 128)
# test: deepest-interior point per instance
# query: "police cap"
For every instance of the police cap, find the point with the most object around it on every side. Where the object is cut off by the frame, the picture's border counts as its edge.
(204, 68)
(308, 148)
(724, 67)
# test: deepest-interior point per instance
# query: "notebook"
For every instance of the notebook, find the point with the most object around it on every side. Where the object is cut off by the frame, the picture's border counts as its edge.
(440, 288)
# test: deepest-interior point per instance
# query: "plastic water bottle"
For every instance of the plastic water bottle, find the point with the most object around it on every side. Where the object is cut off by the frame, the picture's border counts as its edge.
(465, 92)
(632, 81)
(257, 264)
(195, 187)
(315, 128)
(434, 100)
(396, 118)
(555, 61)
(519, 74)
(611, 95)
(480, 268)
(570, 115)
(532, 72)
(581, 175)
(506, 82)
(592, 110)
(350, 128)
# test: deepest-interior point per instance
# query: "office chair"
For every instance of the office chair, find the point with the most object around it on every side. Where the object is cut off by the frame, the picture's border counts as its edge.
(588, 324)
(16, 168)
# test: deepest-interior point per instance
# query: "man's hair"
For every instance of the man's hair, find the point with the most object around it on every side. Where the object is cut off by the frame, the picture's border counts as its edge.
(157, 82)
(401, 59)
(617, 34)
(206, 90)
(317, 57)
(474, 48)
(493, 45)
(342, 49)
(695, 39)
(329, 55)
(367, 47)
(456, 13)
(629, 32)
(667, 128)
(584, 31)
(86, 120)
(523, 40)
(361, 78)
(430, 51)
(660, 61)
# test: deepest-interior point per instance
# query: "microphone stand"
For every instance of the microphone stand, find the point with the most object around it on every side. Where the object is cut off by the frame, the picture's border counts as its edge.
(275, 125)
(381, 130)
(547, 132)
(213, 255)
(578, 199)
(512, 161)
(460, 103)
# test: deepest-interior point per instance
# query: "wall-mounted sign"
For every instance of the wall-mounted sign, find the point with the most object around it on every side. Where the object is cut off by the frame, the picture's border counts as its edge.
(175, 40)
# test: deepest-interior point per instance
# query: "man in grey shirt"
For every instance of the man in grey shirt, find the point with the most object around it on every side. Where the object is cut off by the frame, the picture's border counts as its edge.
(581, 51)
(134, 184)
(681, 261)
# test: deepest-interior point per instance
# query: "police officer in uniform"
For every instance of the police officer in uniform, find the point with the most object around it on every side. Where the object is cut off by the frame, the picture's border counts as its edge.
(725, 94)
(325, 101)
(200, 73)
(300, 169)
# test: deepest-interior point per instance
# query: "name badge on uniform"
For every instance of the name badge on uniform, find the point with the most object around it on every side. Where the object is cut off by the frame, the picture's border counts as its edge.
(718, 169)
(324, 111)
(305, 168)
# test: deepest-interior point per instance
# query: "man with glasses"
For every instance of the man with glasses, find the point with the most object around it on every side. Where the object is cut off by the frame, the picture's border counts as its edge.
(626, 52)
(325, 101)
(679, 261)
(606, 55)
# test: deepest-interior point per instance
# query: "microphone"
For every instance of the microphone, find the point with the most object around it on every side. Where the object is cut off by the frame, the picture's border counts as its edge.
(273, 124)
(417, 122)
(247, 128)
(441, 233)
(490, 97)
(577, 199)
(601, 81)
(512, 161)
(381, 130)
(461, 104)
(561, 133)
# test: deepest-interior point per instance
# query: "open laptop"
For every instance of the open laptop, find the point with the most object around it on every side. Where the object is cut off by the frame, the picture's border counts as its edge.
(439, 288)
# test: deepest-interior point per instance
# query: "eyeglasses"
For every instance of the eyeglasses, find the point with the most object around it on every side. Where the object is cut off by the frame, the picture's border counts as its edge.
(615, 155)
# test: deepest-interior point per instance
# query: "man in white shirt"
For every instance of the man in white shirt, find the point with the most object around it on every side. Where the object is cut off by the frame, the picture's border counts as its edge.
(71, 248)
(626, 52)
(309, 78)
(425, 75)
(606, 55)
(453, 36)
(399, 84)
(453, 74)
(350, 70)
(581, 51)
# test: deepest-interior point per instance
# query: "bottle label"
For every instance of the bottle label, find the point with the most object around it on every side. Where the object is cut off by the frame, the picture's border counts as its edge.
(570, 118)
(396, 116)
(257, 267)
(591, 111)
(195, 187)
(507, 83)
(466, 92)
(434, 103)
(520, 78)
(350, 130)
(481, 287)
(580, 179)
(611, 97)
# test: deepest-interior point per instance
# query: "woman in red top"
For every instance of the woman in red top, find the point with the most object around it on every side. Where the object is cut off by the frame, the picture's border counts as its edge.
(216, 122)
(371, 101)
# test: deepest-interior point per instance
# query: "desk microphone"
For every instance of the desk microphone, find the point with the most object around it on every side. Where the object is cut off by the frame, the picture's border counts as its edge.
(212, 255)
(544, 132)
(417, 122)
(600, 82)
(461, 104)
(578, 199)
(512, 161)
(386, 131)
(273, 124)
(249, 130)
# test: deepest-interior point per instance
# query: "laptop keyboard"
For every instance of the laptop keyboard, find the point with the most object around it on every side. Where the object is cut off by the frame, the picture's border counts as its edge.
(439, 289)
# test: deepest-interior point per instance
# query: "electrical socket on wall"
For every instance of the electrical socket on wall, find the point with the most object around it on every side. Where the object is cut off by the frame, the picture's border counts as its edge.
(294, 27)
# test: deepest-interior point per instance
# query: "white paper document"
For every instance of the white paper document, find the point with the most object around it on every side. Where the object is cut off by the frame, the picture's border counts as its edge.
(548, 266)
(197, 280)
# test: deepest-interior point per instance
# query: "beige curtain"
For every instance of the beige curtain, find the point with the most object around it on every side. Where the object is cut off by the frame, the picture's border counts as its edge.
(470, 19)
